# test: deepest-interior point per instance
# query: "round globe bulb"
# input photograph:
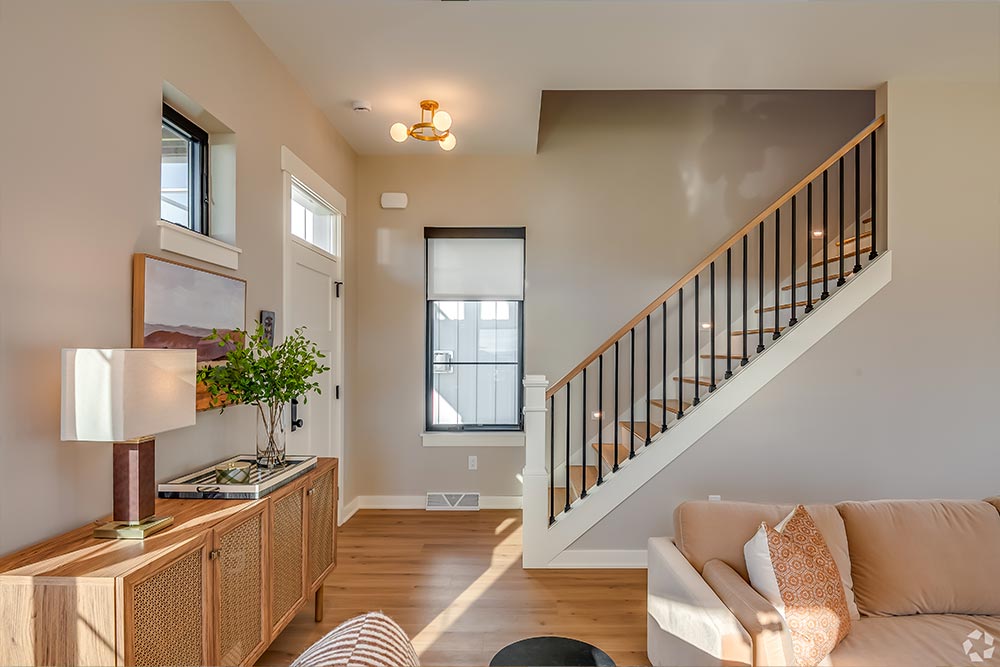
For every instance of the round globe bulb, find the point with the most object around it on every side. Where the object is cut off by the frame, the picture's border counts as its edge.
(398, 132)
(442, 121)
(448, 142)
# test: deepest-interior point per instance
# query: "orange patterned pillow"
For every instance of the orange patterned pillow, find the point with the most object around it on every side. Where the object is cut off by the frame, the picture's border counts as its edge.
(792, 567)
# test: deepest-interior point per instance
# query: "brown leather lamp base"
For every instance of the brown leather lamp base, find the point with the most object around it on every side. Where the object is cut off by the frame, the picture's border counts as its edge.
(134, 492)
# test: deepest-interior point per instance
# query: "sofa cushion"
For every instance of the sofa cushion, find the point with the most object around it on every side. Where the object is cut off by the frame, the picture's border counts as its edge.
(924, 556)
(792, 567)
(918, 641)
(705, 530)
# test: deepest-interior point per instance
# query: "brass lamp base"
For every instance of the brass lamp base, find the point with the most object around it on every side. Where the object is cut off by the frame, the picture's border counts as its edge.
(123, 530)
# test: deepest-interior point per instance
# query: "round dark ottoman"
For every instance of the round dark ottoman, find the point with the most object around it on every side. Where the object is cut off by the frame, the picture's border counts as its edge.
(551, 652)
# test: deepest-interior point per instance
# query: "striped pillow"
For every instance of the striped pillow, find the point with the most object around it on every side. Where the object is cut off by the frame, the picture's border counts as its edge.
(369, 640)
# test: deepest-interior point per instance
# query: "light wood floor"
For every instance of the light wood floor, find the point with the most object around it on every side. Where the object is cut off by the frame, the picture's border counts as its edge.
(454, 581)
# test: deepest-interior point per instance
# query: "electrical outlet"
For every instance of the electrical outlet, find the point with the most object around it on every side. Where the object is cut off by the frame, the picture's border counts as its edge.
(473, 463)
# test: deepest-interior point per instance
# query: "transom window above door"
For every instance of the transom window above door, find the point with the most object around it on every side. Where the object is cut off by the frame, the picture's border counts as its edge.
(314, 221)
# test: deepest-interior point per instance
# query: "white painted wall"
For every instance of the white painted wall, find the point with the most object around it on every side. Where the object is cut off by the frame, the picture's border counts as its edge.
(81, 86)
(890, 404)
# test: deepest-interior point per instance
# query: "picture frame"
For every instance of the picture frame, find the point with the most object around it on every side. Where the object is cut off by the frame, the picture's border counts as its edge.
(176, 306)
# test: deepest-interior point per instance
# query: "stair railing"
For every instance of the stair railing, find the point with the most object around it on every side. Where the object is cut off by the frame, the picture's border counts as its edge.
(671, 344)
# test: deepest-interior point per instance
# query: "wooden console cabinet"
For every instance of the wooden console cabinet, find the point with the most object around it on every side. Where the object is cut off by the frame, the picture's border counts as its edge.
(213, 589)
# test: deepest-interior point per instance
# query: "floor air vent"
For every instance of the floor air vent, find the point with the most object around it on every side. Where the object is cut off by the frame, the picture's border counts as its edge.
(453, 501)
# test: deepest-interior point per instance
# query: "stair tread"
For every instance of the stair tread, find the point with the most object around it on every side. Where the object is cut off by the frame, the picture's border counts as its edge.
(785, 306)
(607, 452)
(852, 239)
(640, 428)
(704, 383)
(671, 404)
(836, 258)
(734, 357)
(576, 477)
(833, 277)
(754, 332)
(559, 497)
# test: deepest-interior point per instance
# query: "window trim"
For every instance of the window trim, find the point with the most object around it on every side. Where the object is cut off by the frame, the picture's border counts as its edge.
(482, 233)
(198, 169)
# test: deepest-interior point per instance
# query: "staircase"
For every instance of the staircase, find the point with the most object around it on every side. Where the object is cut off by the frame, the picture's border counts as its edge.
(702, 348)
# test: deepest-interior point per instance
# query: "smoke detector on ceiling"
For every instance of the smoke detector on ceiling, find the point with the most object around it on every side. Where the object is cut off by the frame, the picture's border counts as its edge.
(361, 105)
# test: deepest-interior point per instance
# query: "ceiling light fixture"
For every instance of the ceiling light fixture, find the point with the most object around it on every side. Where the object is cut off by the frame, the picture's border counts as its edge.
(434, 125)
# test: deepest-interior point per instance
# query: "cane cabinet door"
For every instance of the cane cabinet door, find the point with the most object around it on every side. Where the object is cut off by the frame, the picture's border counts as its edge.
(287, 533)
(166, 608)
(240, 628)
(321, 498)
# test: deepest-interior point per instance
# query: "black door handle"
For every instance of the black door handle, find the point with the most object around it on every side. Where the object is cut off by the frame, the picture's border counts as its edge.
(296, 420)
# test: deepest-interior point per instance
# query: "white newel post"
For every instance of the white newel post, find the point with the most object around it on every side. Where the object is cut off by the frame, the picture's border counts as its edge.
(535, 504)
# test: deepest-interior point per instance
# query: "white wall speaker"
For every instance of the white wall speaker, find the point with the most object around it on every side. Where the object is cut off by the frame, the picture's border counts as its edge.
(393, 200)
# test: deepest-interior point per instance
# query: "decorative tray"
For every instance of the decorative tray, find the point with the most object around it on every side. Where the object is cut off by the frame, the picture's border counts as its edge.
(202, 484)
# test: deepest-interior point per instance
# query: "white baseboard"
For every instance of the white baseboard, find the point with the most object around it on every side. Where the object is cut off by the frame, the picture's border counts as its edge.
(349, 510)
(600, 558)
(419, 502)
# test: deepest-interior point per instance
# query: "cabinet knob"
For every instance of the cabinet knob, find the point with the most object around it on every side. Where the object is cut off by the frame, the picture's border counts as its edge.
(214, 553)
(311, 491)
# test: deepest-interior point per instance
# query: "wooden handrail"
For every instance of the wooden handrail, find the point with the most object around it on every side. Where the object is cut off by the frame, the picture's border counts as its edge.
(712, 256)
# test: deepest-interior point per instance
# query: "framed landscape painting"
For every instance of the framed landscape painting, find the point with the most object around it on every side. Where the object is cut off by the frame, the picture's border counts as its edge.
(177, 306)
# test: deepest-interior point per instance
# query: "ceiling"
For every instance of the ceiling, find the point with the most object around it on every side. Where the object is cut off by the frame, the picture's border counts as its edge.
(487, 62)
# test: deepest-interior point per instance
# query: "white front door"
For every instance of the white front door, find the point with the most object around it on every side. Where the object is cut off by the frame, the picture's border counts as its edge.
(312, 303)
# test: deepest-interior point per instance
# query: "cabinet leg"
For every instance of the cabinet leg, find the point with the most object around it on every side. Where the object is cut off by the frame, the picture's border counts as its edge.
(318, 616)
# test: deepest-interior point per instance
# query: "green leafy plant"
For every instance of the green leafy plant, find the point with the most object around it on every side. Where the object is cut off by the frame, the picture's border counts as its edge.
(266, 376)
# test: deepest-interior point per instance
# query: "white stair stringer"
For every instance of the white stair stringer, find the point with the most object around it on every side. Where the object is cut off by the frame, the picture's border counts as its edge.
(543, 543)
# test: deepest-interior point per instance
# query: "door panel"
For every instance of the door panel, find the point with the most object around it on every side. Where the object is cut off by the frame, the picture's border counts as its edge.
(322, 501)
(241, 627)
(313, 277)
(287, 533)
(167, 608)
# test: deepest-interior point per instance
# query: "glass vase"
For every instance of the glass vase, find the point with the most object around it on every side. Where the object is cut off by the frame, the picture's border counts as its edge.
(271, 436)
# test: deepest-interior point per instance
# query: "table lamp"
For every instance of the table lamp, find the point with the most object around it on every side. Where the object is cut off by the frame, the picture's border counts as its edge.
(126, 397)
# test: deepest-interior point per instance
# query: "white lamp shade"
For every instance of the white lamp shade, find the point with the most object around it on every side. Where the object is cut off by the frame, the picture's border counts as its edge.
(118, 395)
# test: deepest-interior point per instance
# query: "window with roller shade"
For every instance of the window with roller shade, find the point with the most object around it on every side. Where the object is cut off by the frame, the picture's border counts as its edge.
(475, 327)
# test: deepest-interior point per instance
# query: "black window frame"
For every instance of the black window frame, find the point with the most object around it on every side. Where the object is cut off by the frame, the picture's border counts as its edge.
(198, 192)
(470, 233)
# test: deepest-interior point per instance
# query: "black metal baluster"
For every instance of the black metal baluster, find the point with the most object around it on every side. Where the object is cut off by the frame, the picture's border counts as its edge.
(826, 236)
(552, 459)
(744, 360)
(777, 274)
(567, 508)
(792, 320)
(809, 250)
(760, 289)
(631, 396)
(600, 419)
(648, 436)
(840, 258)
(874, 253)
(729, 313)
(617, 428)
(857, 208)
(663, 386)
(711, 331)
(680, 352)
(697, 342)
(583, 434)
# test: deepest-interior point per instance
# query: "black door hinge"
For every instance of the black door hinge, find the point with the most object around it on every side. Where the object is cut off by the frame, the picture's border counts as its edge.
(338, 284)
(337, 393)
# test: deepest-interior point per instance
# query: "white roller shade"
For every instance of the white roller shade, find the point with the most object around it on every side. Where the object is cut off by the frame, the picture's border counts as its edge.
(468, 269)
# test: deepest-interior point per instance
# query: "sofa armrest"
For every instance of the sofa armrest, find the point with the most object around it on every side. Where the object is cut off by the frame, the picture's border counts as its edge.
(687, 622)
(772, 642)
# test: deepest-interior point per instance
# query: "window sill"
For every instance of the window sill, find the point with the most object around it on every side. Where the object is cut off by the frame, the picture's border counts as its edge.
(473, 439)
(174, 238)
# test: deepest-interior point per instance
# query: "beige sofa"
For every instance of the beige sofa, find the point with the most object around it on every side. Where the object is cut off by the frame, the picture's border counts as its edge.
(922, 581)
